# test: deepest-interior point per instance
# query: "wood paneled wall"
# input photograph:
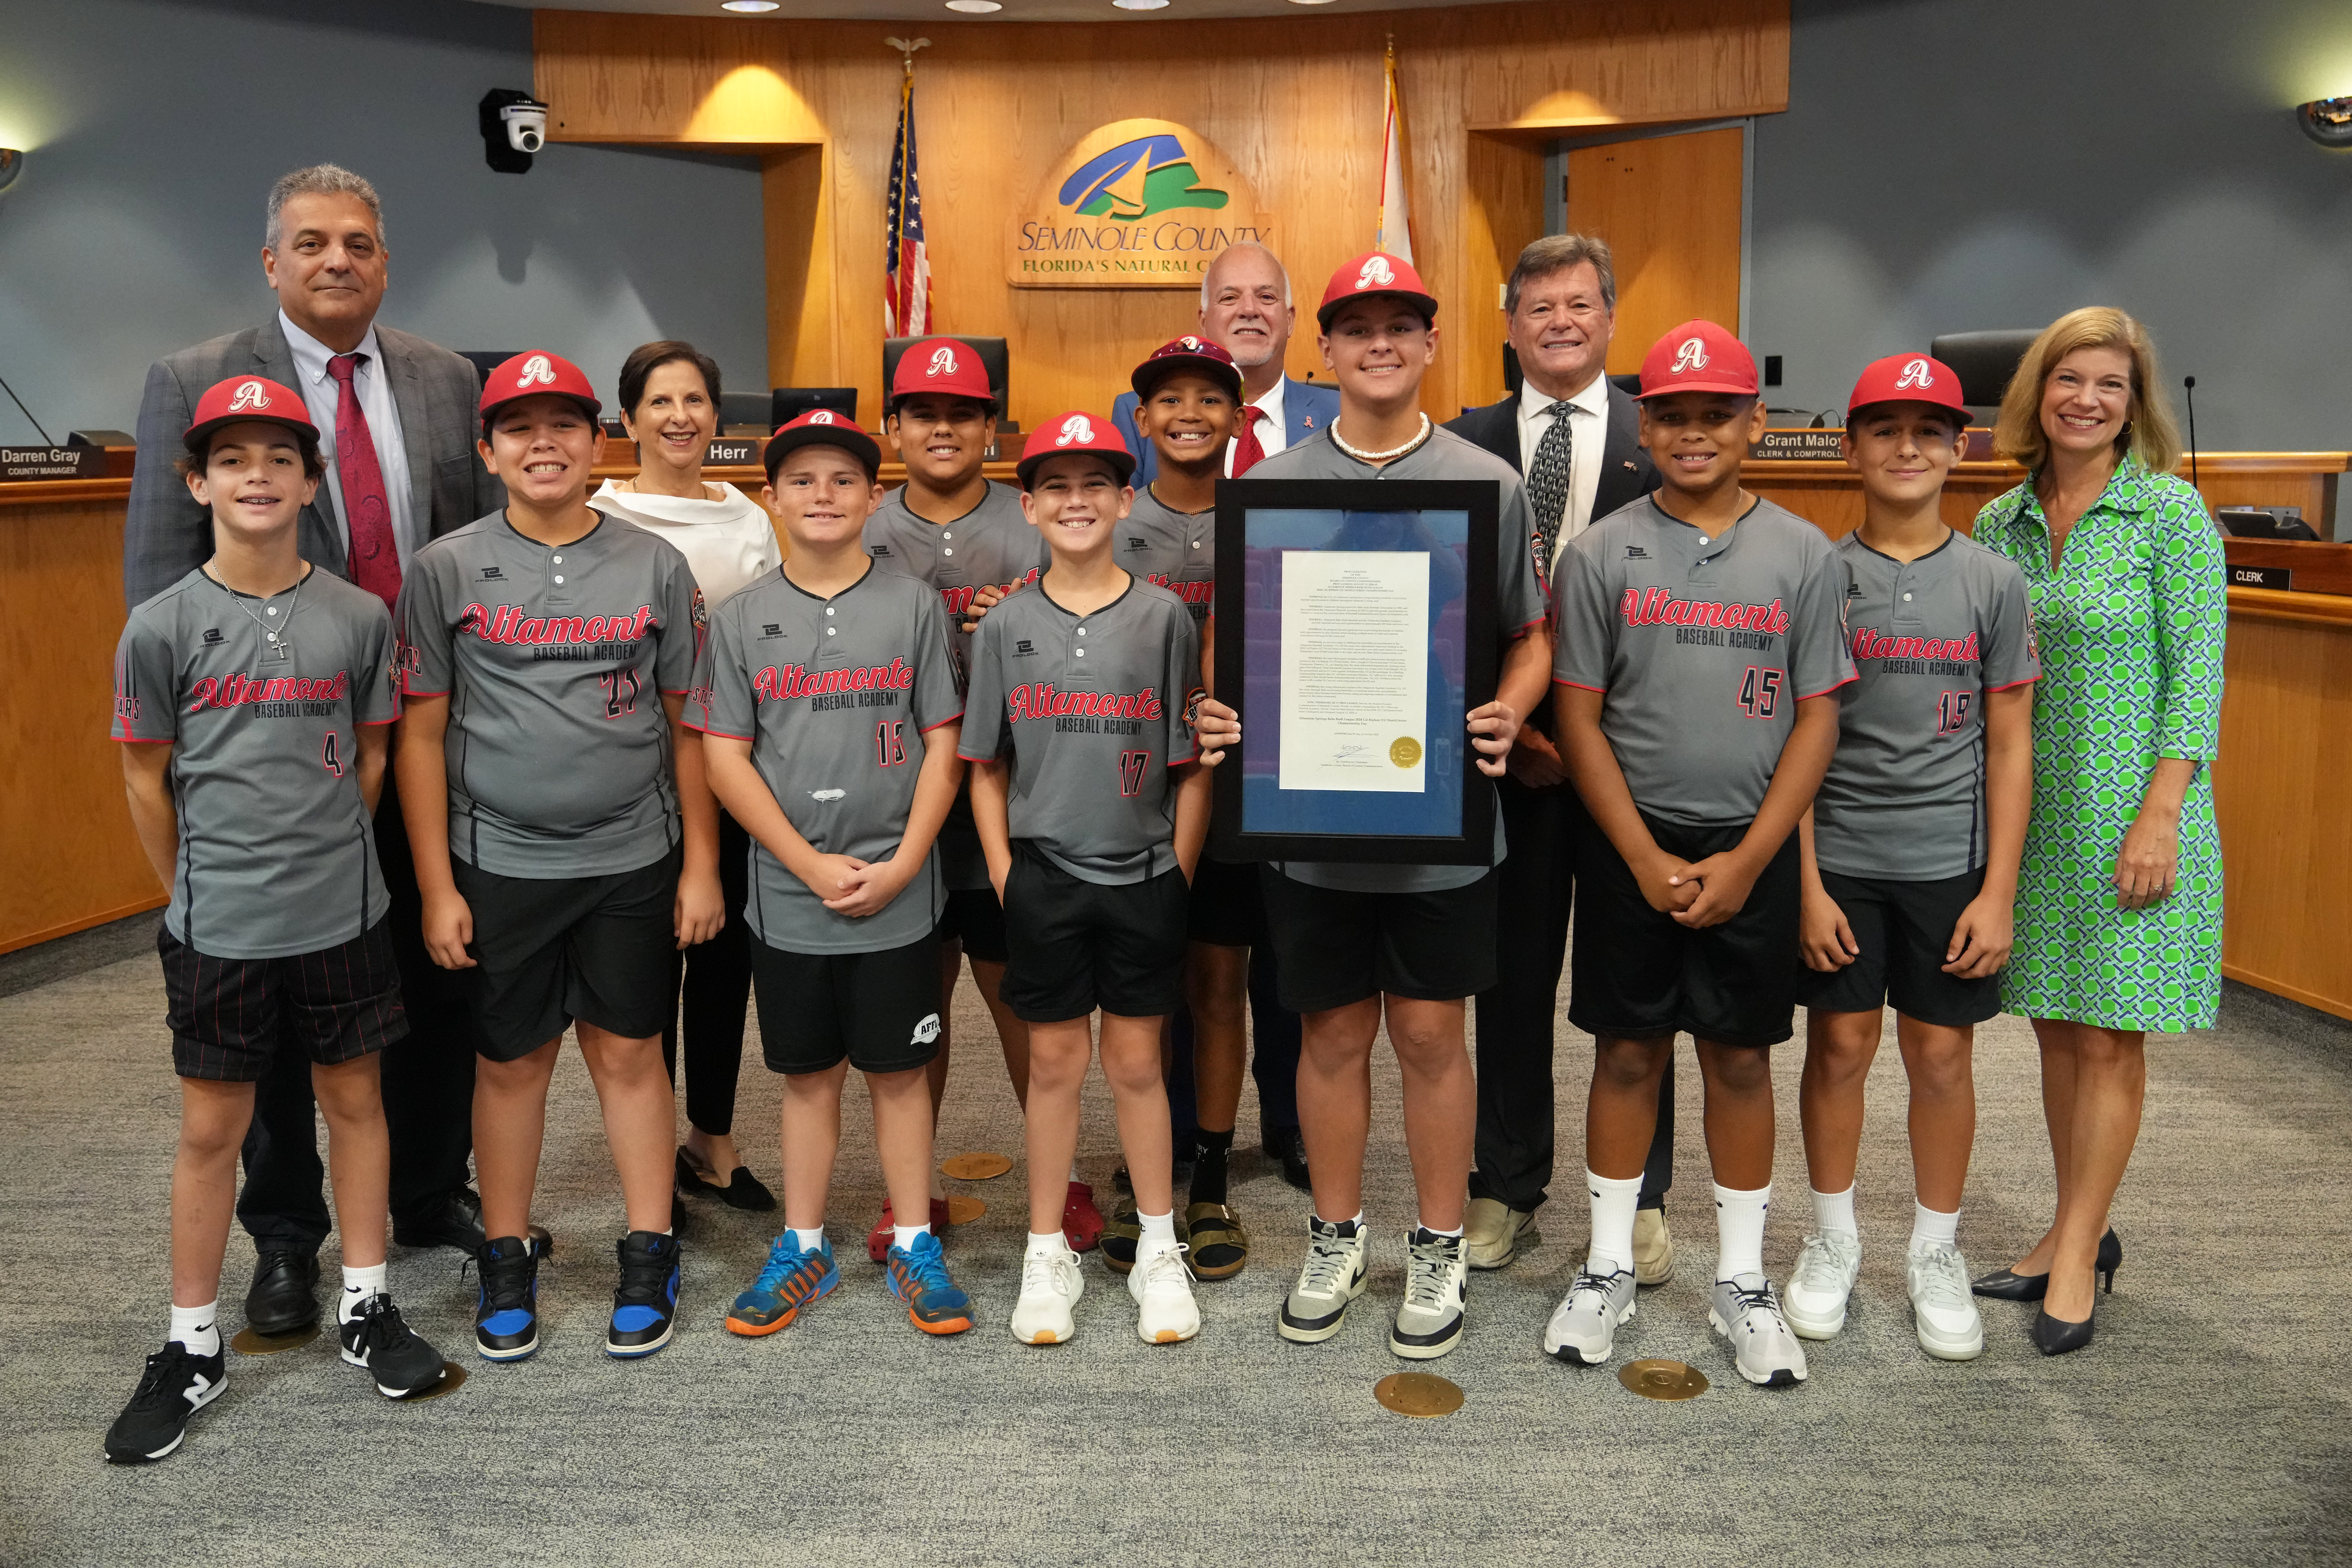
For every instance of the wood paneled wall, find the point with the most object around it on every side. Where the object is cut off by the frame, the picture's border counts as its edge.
(1295, 102)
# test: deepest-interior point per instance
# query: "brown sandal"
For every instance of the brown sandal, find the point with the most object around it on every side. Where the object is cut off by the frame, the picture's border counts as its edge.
(1219, 1246)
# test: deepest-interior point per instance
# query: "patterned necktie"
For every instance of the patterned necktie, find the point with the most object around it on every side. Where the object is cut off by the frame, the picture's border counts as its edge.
(1247, 451)
(1547, 488)
(375, 557)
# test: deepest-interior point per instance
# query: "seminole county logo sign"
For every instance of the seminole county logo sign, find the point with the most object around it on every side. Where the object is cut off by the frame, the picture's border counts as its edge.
(1139, 203)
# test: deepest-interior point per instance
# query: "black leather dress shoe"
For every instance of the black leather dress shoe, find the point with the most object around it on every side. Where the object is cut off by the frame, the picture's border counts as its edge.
(279, 1300)
(454, 1219)
(1288, 1145)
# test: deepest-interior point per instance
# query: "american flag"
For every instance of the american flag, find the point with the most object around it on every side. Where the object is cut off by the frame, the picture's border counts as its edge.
(907, 300)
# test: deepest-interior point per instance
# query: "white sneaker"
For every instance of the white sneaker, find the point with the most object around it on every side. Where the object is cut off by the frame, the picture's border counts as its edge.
(1436, 1281)
(1942, 1307)
(1332, 1276)
(1747, 1312)
(1051, 1285)
(1162, 1288)
(1821, 1281)
(1583, 1332)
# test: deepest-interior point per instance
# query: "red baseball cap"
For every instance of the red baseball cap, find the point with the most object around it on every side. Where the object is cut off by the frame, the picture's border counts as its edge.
(1076, 431)
(531, 373)
(1698, 356)
(1189, 355)
(823, 427)
(1908, 378)
(242, 397)
(1375, 272)
(943, 365)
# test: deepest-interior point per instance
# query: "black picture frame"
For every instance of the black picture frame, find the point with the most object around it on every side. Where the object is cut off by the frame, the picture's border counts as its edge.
(1472, 841)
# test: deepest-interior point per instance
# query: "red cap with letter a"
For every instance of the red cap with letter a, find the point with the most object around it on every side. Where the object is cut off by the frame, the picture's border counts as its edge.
(823, 427)
(1907, 378)
(249, 397)
(1188, 355)
(1076, 431)
(1698, 356)
(943, 365)
(1375, 272)
(531, 373)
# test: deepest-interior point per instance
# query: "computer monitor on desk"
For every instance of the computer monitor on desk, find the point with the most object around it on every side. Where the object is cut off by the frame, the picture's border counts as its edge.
(1984, 361)
(786, 404)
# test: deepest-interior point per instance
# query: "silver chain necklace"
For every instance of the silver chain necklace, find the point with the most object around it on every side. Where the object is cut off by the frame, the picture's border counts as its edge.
(276, 647)
(1388, 457)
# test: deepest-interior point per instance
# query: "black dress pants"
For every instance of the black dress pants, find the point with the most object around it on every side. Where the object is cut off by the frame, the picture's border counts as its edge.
(715, 978)
(1516, 1019)
(428, 1085)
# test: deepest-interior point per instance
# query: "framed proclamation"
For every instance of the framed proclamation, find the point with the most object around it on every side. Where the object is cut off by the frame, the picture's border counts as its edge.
(1355, 630)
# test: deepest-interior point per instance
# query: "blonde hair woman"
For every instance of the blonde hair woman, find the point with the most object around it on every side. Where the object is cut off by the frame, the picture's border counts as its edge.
(2119, 896)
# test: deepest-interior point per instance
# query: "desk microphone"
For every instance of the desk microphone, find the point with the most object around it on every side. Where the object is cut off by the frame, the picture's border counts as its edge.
(2189, 385)
(25, 412)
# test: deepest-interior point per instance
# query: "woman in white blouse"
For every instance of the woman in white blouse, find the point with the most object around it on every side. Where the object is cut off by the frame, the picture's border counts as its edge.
(670, 401)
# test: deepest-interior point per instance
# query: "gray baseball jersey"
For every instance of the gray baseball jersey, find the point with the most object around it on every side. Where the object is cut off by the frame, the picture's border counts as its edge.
(1173, 549)
(835, 696)
(991, 545)
(1518, 608)
(1905, 796)
(1093, 712)
(555, 659)
(277, 856)
(1704, 647)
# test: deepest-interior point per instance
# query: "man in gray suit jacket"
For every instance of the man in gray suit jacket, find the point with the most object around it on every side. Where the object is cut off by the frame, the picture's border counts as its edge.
(1574, 437)
(397, 424)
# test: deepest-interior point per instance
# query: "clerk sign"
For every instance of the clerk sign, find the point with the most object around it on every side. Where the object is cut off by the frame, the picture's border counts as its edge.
(1139, 203)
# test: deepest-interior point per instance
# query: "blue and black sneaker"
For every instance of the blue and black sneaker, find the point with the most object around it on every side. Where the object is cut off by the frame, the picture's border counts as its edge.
(506, 1313)
(647, 1303)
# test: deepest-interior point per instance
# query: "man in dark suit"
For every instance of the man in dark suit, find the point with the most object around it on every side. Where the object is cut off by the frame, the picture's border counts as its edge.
(398, 418)
(1573, 436)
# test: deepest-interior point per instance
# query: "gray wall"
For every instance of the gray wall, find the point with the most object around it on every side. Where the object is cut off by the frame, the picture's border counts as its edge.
(155, 130)
(1948, 164)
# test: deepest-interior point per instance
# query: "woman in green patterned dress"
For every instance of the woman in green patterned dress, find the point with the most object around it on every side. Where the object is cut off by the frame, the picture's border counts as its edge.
(2119, 898)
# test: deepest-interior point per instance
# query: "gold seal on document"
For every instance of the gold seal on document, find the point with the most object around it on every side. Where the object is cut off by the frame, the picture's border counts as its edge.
(1404, 750)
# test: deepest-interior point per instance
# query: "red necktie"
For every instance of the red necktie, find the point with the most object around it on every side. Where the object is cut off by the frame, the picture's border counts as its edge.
(375, 556)
(1247, 452)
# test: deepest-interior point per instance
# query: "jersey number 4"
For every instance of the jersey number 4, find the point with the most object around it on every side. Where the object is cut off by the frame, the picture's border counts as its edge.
(330, 755)
(890, 742)
(1130, 772)
(621, 687)
(1952, 710)
(1759, 692)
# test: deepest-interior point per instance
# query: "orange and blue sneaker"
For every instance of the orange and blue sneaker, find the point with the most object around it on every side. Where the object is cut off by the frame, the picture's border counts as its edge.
(793, 1278)
(919, 1277)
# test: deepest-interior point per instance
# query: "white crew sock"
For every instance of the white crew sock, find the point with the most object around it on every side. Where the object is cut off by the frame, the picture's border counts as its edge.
(1833, 1213)
(1158, 1231)
(198, 1328)
(906, 1234)
(358, 1284)
(1930, 1230)
(1455, 1232)
(1048, 1244)
(1739, 1230)
(1613, 1203)
(812, 1240)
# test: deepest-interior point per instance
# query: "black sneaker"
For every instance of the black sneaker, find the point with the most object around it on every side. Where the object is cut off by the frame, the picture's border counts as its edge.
(177, 1384)
(647, 1303)
(377, 1340)
(506, 1313)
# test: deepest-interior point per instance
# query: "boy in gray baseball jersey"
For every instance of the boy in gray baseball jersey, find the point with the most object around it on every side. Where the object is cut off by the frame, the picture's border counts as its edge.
(1362, 944)
(829, 701)
(254, 696)
(1698, 660)
(1080, 724)
(546, 651)
(1911, 849)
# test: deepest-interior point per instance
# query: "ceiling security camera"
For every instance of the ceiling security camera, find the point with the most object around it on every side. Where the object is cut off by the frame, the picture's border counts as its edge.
(514, 126)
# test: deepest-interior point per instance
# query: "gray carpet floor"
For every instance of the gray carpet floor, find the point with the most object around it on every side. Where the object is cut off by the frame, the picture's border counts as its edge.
(2207, 1424)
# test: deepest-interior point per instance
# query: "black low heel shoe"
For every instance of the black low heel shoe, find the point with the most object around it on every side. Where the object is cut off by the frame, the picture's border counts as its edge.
(2005, 1286)
(2056, 1336)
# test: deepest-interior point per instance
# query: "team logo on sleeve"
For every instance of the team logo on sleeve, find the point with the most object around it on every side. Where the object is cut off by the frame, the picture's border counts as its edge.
(1915, 374)
(1193, 701)
(943, 361)
(702, 614)
(1691, 356)
(126, 708)
(1375, 273)
(1076, 431)
(252, 394)
(536, 372)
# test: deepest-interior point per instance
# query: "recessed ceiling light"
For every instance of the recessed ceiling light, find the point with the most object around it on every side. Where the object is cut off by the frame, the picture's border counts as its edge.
(1139, 4)
(1310, 2)
(976, 8)
(749, 5)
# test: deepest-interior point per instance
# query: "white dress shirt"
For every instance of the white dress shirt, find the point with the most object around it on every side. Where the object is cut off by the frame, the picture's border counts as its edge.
(1273, 431)
(1590, 411)
(373, 385)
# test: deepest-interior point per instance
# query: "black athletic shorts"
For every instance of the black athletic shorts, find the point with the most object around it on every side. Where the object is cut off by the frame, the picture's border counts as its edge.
(1078, 945)
(1333, 948)
(880, 1010)
(1635, 974)
(551, 949)
(1904, 929)
(973, 918)
(228, 1016)
(1228, 906)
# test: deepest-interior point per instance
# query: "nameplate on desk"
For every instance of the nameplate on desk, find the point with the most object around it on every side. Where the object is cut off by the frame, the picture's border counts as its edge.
(730, 452)
(2278, 577)
(1806, 445)
(22, 465)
